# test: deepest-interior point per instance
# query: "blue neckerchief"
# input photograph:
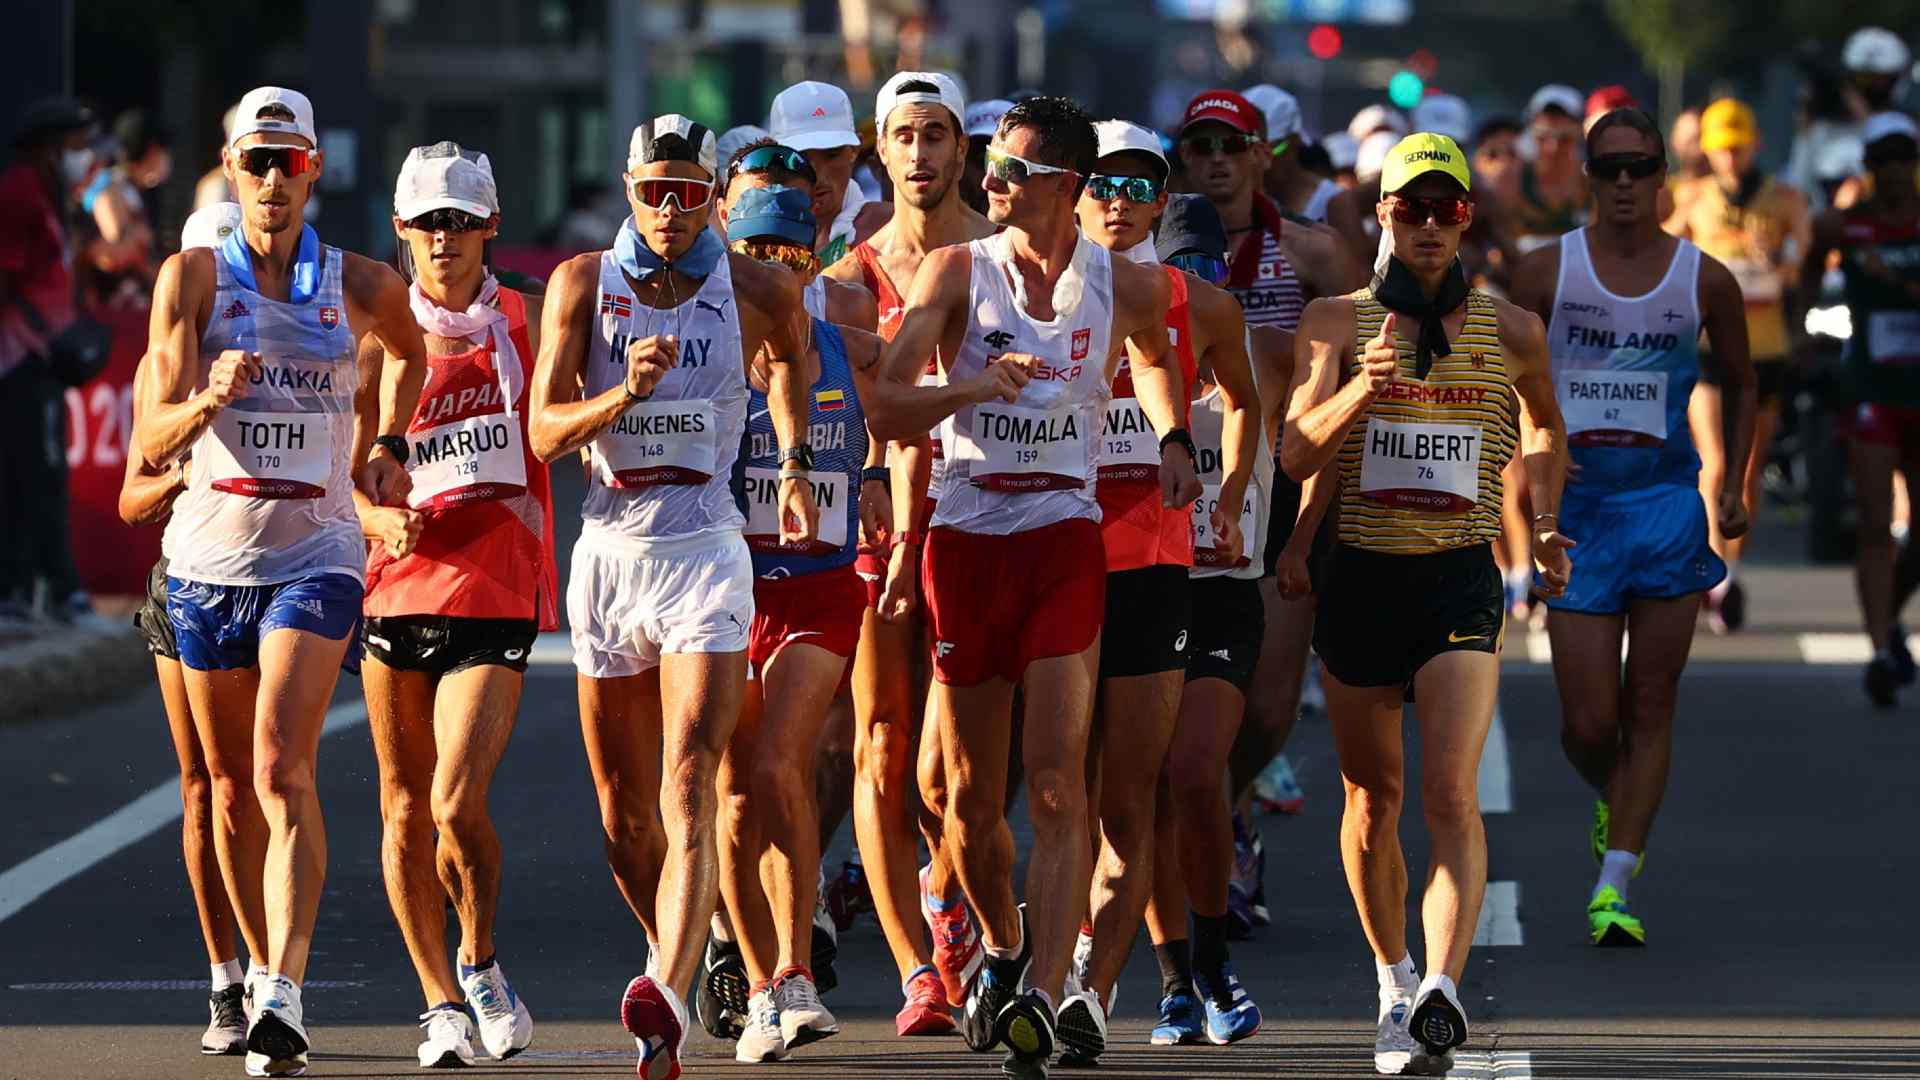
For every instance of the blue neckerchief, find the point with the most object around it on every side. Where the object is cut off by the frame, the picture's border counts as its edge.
(306, 264)
(640, 263)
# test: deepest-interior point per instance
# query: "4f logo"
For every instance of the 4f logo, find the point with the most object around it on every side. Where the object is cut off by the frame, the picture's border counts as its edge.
(997, 339)
(942, 649)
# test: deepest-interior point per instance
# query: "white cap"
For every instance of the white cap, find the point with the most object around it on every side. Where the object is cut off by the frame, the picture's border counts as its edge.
(983, 117)
(1557, 96)
(1119, 136)
(1882, 125)
(210, 225)
(672, 138)
(1281, 109)
(444, 176)
(1874, 50)
(812, 116)
(1373, 118)
(1371, 161)
(728, 145)
(1444, 114)
(945, 93)
(247, 119)
(1342, 149)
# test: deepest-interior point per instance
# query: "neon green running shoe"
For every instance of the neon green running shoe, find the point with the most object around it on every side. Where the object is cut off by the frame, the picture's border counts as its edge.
(1610, 923)
(1600, 818)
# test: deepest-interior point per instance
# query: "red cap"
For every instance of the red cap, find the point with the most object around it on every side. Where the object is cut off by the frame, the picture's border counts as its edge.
(1608, 98)
(1228, 108)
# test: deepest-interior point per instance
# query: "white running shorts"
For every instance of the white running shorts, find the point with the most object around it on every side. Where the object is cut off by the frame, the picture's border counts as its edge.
(626, 609)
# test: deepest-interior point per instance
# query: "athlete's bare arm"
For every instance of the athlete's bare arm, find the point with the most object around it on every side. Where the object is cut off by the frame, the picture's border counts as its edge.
(377, 303)
(1535, 279)
(1321, 409)
(935, 315)
(1543, 438)
(893, 407)
(558, 422)
(771, 320)
(177, 413)
(1225, 357)
(1322, 259)
(398, 527)
(1141, 295)
(850, 304)
(1723, 315)
(146, 493)
(1828, 236)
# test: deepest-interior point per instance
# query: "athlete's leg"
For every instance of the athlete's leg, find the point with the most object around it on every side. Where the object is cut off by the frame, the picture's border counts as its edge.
(1456, 692)
(1366, 738)
(1659, 636)
(222, 705)
(1766, 422)
(399, 717)
(197, 820)
(749, 915)
(799, 681)
(1059, 688)
(1273, 702)
(473, 721)
(1209, 719)
(620, 725)
(833, 780)
(1166, 914)
(975, 725)
(884, 804)
(1873, 466)
(1586, 668)
(298, 670)
(700, 696)
(1137, 722)
(943, 880)
(1705, 418)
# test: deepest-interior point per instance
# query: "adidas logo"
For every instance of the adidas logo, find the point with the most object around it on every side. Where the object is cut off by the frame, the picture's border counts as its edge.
(311, 607)
(1221, 654)
(235, 310)
(819, 110)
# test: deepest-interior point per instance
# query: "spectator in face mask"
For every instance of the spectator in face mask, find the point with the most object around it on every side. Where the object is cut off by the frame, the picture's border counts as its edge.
(117, 198)
(52, 157)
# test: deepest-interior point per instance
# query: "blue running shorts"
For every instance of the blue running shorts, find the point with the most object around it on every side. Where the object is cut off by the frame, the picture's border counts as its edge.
(219, 627)
(1645, 544)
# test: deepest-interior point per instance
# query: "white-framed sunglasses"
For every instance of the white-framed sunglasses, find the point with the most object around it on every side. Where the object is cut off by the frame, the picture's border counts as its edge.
(1014, 169)
(655, 192)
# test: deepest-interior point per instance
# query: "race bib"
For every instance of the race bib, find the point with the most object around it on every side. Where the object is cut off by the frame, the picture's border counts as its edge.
(470, 460)
(1893, 337)
(1023, 450)
(1434, 467)
(659, 442)
(1614, 408)
(1759, 282)
(1129, 450)
(265, 455)
(1206, 552)
(832, 493)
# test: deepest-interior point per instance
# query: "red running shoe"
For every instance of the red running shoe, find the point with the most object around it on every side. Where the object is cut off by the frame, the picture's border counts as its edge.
(957, 952)
(925, 1012)
(658, 1023)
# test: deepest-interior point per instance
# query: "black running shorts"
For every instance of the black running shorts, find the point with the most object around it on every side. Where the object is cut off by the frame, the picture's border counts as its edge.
(1382, 617)
(1229, 621)
(150, 618)
(1148, 614)
(444, 644)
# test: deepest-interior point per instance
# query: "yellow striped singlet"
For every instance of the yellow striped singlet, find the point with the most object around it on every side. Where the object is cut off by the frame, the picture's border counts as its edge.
(1420, 469)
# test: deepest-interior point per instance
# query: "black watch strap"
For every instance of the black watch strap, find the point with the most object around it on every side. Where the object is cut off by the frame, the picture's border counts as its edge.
(879, 474)
(1181, 437)
(801, 455)
(394, 444)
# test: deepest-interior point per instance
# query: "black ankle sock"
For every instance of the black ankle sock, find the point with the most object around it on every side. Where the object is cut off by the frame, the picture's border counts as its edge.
(1209, 945)
(1176, 965)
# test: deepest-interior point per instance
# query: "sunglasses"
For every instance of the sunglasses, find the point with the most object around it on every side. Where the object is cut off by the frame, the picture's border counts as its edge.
(774, 158)
(654, 192)
(1415, 210)
(1014, 169)
(448, 220)
(261, 160)
(1140, 189)
(1207, 145)
(1637, 166)
(795, 258)
(1206, 267)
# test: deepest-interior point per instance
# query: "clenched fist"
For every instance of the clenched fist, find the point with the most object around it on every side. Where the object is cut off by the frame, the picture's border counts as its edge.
(1380, 361)
(227, 380)
(648, 361)
(1004, 378)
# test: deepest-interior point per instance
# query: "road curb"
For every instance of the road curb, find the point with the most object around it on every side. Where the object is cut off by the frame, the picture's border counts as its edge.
(67, 668)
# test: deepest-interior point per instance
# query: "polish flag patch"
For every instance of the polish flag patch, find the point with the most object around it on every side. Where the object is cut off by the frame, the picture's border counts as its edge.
(1082, 341)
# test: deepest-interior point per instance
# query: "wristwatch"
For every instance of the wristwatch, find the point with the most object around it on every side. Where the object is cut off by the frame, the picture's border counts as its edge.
(877, 474)
(801, 455)
(394, 445)
(1181, 437)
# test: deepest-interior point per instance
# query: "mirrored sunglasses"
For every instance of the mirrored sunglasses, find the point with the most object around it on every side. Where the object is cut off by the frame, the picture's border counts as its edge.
(1140, 189)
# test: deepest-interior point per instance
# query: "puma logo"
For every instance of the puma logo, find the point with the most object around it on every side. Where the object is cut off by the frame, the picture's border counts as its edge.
(719, 310)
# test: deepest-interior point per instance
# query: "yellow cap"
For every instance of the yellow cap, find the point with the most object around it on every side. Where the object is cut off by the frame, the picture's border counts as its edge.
(1726, 125)
(1423, 152)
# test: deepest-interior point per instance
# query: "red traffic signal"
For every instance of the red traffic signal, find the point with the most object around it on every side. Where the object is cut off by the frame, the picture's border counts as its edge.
(1324, 42)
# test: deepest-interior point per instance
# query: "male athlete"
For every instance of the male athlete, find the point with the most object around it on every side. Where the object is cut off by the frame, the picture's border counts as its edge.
(1288, 182)
(816, 119)
(1407, 388)
(644, 360)
(1553, 194)
(459, 583)
(1012, 597)
(252, 346)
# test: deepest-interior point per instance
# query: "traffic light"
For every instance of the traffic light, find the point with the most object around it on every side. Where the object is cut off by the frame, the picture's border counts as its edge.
(1406, 89)
(1324, 42)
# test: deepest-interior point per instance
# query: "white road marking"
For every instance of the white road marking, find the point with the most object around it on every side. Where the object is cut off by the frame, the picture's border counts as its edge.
(132, 823)
(172, 984)
(1849, 648)
(1496, 773)
(552, 649)
(1498, 1065)
(1500, 916)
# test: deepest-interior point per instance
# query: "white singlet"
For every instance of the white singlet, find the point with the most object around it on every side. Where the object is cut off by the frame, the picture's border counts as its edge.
(1209, 419)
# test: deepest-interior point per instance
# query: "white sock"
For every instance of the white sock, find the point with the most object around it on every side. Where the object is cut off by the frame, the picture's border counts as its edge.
(225, 974)
(1616, 869)
(1400, 976)
(1009, 954)
(1518, 578)
(1441, 982)
(722, 930)
(256, 974)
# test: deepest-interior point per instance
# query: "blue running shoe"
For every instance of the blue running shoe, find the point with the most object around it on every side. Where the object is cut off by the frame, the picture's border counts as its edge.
(1179, 1022)
(1231, 1013)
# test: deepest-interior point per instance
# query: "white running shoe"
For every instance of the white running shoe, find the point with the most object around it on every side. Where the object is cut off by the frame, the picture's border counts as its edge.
(1438, 1024)
(277, 1040)
(449, 1041)
(763, 1039)
(802, 1018)
(1393, 1046)
(1082, 960)
(506, 1027)
(1080, 1028)
(226, 1024)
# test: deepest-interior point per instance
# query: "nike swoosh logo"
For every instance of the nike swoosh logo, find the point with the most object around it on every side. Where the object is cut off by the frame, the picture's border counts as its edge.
(1455, 639)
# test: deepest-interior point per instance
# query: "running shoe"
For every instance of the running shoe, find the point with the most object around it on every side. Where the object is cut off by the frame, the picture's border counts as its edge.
(1727, 612)
(1438, 1024)
(803, 1019)
(848, 895)
(1257, 903)
(1082, 1029)
(957, 952)
(926, 1011)
(1025, 1026)
(1276, 790)
(1601, 823)
(1393, 1045)
(826, 947)
(1902, 656)
(1610, 923)
(226, 1022)
(656, 1019)
(762, 1039)
(988, 995)
(720, 997)
(449, 1041)
(1179, 1022)
(1244, 883)
(1883, 679)
(1231, 1013)
(1313, 697)
(506, 1027)
(1082, 961)
(277, 1041)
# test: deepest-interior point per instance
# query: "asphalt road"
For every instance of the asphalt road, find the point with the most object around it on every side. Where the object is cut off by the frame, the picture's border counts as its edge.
(1777, 896)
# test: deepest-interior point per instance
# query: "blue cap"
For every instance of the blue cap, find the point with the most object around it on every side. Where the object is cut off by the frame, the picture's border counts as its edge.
(1190, 223)
(772, 213)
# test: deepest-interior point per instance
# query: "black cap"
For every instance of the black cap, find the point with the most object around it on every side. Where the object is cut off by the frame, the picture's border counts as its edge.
(1190, 223)
(50, 118)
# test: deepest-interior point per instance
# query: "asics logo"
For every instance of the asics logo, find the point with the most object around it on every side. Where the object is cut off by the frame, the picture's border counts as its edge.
(514, 654)
(1180, 643)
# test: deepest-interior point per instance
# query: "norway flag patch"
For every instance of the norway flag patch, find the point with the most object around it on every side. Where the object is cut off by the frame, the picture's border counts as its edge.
(620, 307)
(329, 317)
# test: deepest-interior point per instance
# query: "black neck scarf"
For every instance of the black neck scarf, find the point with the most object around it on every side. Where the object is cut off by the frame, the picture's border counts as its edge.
(1397, 291)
